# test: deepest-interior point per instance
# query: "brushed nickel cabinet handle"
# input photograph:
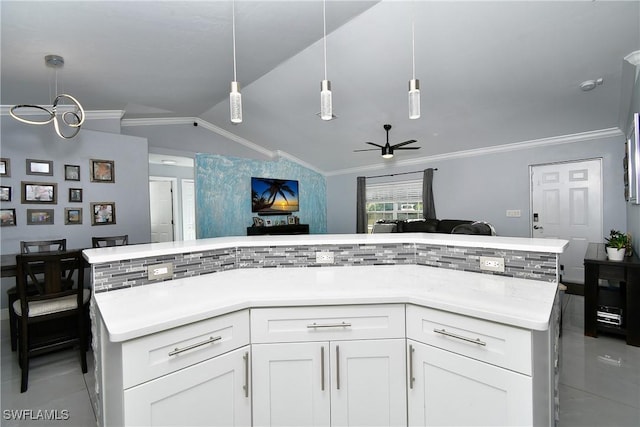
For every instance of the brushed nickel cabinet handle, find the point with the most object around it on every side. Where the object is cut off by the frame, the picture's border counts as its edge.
(337, 367)
(322, 368)
(459, 337)
(315, 325)
(411, 377)
(245, 357)
(192, 346)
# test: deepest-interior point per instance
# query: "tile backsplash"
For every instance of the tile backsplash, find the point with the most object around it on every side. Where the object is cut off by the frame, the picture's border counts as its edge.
(129, 273)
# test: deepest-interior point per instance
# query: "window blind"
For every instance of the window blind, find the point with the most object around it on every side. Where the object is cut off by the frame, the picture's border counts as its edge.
(402, 191)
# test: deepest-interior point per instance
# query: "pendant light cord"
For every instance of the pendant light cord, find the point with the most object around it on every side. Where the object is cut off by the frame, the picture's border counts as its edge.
(413, 40)
(324, 22)
(233, 28)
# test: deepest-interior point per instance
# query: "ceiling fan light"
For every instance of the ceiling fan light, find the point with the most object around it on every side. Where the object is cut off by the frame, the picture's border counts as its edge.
(414, 99)
(326, 108)
(387, 155)
(235, 103)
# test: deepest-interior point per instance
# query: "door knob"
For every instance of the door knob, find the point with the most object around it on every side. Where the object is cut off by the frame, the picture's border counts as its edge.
(537, 227)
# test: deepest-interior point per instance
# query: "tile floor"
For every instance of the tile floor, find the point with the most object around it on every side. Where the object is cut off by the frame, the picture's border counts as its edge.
(599, 380)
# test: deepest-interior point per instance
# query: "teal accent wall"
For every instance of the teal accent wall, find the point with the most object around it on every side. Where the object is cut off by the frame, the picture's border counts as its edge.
(223, 194)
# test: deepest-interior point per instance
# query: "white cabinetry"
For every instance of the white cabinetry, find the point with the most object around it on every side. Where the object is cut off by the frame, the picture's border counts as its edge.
(211, 393)
(196, 374)
(466, 371)
(320, 366)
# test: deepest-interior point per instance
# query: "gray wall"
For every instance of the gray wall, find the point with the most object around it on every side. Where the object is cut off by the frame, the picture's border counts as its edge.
(484, 187)
(130, 192)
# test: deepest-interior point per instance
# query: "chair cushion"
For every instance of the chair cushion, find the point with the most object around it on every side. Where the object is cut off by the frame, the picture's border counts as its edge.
(50, 306)
(388, 227)
(419, 226)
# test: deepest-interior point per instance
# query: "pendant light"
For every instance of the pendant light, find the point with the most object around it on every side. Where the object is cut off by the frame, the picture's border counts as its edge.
(235, 98)
(72, 119)
(414, 84)
(326, 108)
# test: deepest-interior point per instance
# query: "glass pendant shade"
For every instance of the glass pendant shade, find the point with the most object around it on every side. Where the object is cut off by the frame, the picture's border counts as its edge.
(414, 99)
(235, 103)
(326, 109)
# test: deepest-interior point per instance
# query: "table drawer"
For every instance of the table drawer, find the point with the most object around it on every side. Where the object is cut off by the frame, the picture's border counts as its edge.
(158, 354)
(296, 324)
(495, 343)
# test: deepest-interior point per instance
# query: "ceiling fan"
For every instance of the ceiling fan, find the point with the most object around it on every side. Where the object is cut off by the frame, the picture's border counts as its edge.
(387, 149)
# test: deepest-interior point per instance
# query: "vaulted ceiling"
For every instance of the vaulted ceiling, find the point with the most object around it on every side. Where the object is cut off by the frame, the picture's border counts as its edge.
(491, 73)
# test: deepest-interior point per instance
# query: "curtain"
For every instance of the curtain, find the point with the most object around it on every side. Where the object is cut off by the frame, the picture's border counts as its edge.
(361, 205)
(428, 205)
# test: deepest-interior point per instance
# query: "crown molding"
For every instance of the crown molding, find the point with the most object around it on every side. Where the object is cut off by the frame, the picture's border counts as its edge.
(89, 115)
(524, 145)
(163, 121)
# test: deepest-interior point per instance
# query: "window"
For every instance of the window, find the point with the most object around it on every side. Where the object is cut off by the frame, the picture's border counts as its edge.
(395, 200)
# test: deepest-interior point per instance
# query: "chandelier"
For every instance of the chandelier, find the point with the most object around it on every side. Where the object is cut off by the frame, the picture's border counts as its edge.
(71, 118)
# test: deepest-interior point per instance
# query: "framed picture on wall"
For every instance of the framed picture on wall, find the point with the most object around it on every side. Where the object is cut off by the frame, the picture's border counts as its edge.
(39, 167)
(5, 193)
(75, 195)
(71, 173)
(5, 167)
(39, 216)
(103, 213)
(72, 216)
(39, 192)
(7, 217)
(102, 171)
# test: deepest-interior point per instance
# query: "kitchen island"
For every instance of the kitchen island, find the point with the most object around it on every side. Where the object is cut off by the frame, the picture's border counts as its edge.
(394, 329)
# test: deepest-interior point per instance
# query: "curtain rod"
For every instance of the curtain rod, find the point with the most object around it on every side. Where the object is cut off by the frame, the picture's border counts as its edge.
(394, 174)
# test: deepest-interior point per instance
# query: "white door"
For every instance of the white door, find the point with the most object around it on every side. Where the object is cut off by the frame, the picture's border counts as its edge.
(161, 208)
(566, 203)
(210, 393)
(291, 384)
(188, 210)
(368, 383)
(453, 390)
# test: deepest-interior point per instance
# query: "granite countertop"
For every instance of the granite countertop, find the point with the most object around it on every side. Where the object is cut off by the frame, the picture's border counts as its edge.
(134, 312)
(116, 253)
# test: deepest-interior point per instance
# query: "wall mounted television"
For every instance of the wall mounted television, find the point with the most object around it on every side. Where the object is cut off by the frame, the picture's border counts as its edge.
(271, 196)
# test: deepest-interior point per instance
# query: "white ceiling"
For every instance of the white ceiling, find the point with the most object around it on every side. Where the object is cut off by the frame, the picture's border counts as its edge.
(491, 73)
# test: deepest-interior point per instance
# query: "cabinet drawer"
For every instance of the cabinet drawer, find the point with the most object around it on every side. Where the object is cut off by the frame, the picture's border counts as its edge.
(331, 323)
(490, 342)
(158, 354)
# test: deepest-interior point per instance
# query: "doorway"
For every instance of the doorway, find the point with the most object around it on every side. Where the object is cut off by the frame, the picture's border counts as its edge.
(566, 203)
(162, 202)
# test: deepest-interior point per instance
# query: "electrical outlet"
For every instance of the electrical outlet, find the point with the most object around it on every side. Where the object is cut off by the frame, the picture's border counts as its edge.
(513, 213)
(160, 271)
(492, 264)
(324, 257)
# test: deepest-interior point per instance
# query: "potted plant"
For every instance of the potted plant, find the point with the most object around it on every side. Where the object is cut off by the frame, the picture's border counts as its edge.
(618, 244)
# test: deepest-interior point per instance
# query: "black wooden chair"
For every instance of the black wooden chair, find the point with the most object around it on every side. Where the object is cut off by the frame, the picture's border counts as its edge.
(28, 247)
(106, 241)
(54, 317)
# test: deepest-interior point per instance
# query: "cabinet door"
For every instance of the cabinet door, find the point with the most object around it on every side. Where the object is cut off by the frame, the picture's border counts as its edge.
(211, 393)
(368, 383)
(446, 389)
(291, 384)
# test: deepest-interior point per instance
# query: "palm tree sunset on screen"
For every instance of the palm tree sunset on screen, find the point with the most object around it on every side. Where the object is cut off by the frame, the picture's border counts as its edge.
(274, 195)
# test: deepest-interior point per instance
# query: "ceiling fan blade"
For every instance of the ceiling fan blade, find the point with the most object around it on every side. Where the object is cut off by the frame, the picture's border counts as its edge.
(400, 144)
(406, 148)
(373, 143)
(368, 149)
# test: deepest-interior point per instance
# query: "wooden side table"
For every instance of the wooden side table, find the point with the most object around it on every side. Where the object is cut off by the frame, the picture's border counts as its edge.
(626, 297)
